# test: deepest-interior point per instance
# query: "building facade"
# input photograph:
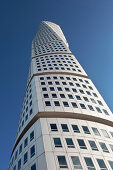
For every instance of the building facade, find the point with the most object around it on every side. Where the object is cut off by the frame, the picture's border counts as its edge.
(64, 122)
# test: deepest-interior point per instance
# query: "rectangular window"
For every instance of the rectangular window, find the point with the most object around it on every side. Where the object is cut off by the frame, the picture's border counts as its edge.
(93, 145)
(86, 130)
(54, 95)
(75, 129)
(70, 96)
(62, 96)
(33, 167)
(70, 143)
(67, 89)
(52, 89)
(76, 162)
(101, 164)
(64, 127)
(53, 127)
(96, 132)
(45, 95)
(62, 162)
(57, 142)
(19, 164)
(25, 157)
(56, 103)
(59, 88)
(74, 90)
(47, 103)
(82, 106)
(25, 142)
(89, 163)
(65, 104)
(104, 147)
(31, 135)
(81, 143)
(32, 151)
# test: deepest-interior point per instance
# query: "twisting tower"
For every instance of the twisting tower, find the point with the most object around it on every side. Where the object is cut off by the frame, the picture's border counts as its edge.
(64, 122)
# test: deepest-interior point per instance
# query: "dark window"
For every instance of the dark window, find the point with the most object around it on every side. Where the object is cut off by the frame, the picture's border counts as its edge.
(89, 163)
(47, 103)
(45, 95)
(93, 145)
(100, 103)
(25, 142)
(57, 83)
(86, 130)
(67, 89)
(20, 149)
(78, 97)
(98, 110)
(56, 103)
(31, 135)
(33, 167)
(62, 96)
(57, 142)
(52, 89)
(62, 162)
(74, 104)
(86, 99)
(44, 89)
(42, 83)
(50, 82)
(32, 151)
(70, 96)
(106, 112)
(64, 83)
(65, 104)
(76, 162)
(59, 88)
(64, 127)
(53, 127)
(70, 143)
(95, 94)
(81, 91)
(78, 85)
(54, 95)
(19, 164)
(74, 90)
(82, 106)
(88, 92)
(93, 101)
(25, 157)
(75, 128)
(81, 143)
(111, 164)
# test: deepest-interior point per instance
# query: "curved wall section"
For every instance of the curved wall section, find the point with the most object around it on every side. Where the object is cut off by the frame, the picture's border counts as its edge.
(64, 123)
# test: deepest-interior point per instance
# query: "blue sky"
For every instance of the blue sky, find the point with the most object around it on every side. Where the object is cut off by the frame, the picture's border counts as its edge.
(88, 27)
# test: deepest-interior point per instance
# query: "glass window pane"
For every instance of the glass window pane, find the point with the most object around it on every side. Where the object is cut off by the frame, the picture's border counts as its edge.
(76, 162)
(89, 163)
(57, 142)
(75, 128)
(70, 143)
(101, 164)
(81, 143)
(62, 161)
(93, 145)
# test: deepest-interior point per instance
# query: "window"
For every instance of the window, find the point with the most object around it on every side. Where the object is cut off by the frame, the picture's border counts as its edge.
(99, 102)
(81, 91)
(57, 83)
(86, 130)
(78, 98)
(25, 157)
(111, 134)
(96, 132)
(91, 108)
(70, 143)
(65, 104)
(56, 103)
(86, 99)
(82, 106)
(74, 104)
(74, 90)
(64, 127)
(104, 147)
(105, 111)
(19, 164)
(16, 154)
(89, 163)
(31, 135)
(76, 162)
(78, 85)
(44, 89)
(50, 82)
(111, 164)
(64, 83)
(88, 92)
(75, 128)
(81, 143)
(57, 142)
(70, 96)
(32, 151)
(98, 110)
(105, 133)
(47, 103)
(67, 89)
(14, 167)
(25, 142)
(42, 83)
(62, 162)
(53, 127)
(111, 146)
(62, 96)
(33, 167)
(95, 94)
(93, 145)
(54, 95)
(45, 95)
(52, 89)
(101, 164)
(93, 101)
(59, 88)
(20, 149)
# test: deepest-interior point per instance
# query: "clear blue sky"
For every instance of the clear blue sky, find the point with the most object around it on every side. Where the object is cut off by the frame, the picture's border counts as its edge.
(88, 27)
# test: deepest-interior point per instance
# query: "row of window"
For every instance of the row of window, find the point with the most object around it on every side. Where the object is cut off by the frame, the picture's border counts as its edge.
(76, 129)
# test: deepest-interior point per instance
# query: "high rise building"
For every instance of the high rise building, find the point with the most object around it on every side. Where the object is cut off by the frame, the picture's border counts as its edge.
(64, 122)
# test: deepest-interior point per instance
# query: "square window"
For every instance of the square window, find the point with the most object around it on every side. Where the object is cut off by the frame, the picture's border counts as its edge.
(54, 95)
(75, 129)
(59, 88)
(93, 145)
(85, 129)
(104, 147)
(70, 96)
(45, 95)
(91, 108)
(78, 97)
(65, 104)
(105, 133)
(62, 96)
(56, 103)
(57, 142)
(70, 143)
(81, 143)
(101, 164)
(47, 103)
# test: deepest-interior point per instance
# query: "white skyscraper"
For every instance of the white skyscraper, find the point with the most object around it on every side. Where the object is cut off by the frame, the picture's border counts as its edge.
(64, 122)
